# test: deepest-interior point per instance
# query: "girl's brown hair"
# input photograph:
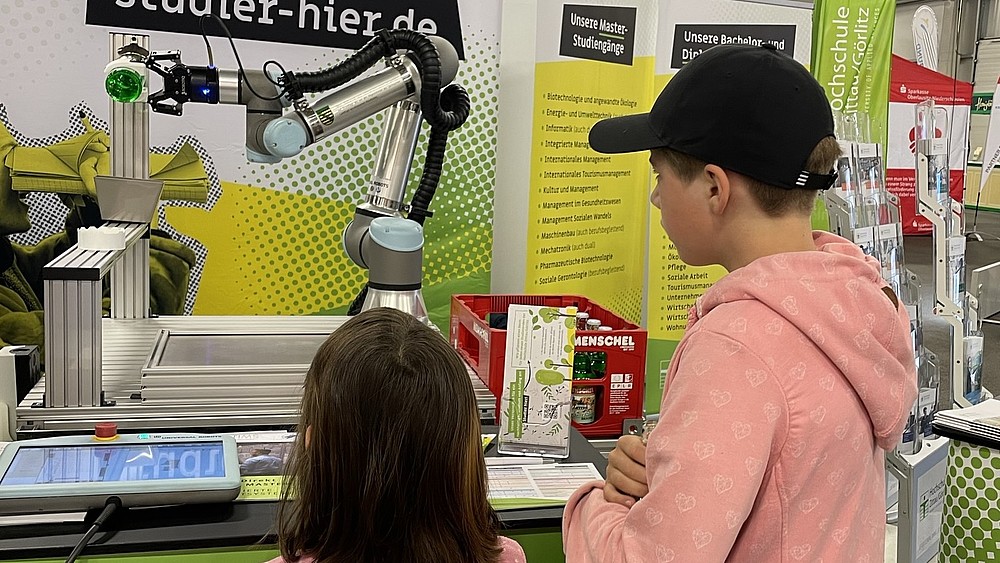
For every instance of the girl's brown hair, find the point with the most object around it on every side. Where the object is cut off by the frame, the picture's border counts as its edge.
(394, 468)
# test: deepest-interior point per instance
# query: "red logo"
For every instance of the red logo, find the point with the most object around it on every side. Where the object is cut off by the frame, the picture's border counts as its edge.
(913, 134)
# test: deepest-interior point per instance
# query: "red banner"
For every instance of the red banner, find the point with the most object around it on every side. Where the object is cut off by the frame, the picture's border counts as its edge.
(909, 85)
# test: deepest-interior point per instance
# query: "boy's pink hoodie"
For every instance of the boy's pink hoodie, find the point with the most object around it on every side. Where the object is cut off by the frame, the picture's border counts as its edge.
(796, 374)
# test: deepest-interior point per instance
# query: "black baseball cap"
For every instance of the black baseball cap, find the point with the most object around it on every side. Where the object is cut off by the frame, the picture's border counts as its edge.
(752, 110)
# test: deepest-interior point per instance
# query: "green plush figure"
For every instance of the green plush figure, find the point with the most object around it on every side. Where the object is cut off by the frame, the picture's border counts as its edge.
(21, 283)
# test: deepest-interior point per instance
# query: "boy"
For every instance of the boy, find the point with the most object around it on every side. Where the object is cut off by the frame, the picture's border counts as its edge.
(795, 374)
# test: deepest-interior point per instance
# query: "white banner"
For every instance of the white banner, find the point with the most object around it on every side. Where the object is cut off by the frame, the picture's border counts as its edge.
(991, 155)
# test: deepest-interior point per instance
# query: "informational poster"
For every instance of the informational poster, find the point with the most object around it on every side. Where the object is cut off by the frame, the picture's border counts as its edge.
(588, 61)
(233, 237)
(910, 85)
(685, 30)
(850, 57)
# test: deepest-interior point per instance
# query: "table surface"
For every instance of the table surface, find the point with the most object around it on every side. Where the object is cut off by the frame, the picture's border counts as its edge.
(234, 524)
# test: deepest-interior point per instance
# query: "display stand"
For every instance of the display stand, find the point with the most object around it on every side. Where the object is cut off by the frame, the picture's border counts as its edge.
(923, 469)
(922, 473)
(921, 496)
(860, 209)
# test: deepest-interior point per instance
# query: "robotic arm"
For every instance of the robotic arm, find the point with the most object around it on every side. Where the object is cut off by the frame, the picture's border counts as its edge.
(281, 123)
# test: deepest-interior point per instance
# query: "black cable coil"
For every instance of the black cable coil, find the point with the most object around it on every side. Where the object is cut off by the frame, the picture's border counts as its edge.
(455, 101)
(384, 44)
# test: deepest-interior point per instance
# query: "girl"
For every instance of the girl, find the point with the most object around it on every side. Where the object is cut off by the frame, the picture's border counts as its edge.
(388, 463)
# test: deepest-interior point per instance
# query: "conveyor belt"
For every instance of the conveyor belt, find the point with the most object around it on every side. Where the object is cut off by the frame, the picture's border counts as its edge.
(252, 400)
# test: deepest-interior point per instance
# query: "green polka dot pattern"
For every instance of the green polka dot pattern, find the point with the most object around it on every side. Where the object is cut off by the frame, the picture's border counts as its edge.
(971, 530)
(458, 238)
(628, 304)
(308, 230)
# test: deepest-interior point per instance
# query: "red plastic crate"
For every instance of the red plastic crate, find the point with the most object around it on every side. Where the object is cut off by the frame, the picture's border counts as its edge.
(620, 392)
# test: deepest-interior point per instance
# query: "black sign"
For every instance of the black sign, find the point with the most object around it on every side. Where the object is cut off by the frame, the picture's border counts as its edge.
(598, 33)
(345, 24)
(691, 39)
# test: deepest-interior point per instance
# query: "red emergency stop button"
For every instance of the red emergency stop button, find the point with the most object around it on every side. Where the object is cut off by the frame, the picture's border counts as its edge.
(105, 431)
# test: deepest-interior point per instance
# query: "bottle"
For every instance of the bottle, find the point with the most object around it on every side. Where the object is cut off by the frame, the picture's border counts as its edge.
(592, 324)
(974, 368)
(973, 344)
(929, 379)
(584, 407)
(598, 364)
(910, 442)
(956, 268)
(581, 366)
(581, 320)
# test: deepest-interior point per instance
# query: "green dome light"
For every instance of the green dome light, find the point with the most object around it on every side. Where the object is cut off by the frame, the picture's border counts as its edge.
(123, 85)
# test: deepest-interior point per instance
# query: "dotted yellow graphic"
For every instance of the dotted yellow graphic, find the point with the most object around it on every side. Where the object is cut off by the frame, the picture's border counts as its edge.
(271, 253)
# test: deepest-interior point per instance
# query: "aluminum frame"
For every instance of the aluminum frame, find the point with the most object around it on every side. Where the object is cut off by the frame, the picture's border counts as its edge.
(73, 335)
(130, 159)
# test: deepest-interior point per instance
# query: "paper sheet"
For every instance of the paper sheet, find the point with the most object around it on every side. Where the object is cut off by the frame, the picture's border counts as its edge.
(263, 456)
(262, 474)
(555, 481)
(982, 419)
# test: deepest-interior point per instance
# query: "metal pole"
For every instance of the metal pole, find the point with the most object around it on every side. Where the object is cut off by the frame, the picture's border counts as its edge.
(130, 159)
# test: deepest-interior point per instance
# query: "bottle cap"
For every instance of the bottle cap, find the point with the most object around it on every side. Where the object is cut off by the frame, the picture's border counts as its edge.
(604, 328)
(105, 430)
(582, 315)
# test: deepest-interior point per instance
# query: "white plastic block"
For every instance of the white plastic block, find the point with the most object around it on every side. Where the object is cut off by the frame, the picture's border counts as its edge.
(101, 238)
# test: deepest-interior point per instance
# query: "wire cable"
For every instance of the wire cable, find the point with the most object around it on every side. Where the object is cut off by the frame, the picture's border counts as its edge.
(239, 63)
(110, 506)
(208, 46)
(277, 83)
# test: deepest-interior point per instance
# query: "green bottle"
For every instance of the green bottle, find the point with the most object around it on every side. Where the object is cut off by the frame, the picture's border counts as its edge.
(581, 366)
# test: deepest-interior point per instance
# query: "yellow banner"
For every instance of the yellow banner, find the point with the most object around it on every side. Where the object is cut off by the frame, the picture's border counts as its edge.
(583, 232)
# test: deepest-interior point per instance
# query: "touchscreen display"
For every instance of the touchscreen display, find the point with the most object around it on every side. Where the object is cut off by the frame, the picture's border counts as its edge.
(115, 463)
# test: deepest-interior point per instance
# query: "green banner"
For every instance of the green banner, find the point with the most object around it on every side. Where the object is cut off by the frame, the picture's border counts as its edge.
(982, 103)
(851, 54)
